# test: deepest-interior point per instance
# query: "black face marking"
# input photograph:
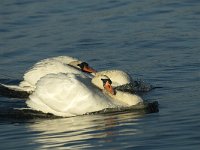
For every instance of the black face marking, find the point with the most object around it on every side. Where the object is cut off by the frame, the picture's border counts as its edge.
(105, 80)
(83, 64)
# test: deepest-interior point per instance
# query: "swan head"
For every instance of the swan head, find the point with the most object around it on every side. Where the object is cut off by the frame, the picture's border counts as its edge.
(103, 82)
(83, 66)
(107, 86)
(86, 68)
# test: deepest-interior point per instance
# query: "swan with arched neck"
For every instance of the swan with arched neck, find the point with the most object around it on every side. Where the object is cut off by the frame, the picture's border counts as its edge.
(74, 94)
(61, 64)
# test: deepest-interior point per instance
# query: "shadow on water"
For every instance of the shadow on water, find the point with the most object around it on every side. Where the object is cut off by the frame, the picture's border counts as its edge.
(6, 92)
(25, 114)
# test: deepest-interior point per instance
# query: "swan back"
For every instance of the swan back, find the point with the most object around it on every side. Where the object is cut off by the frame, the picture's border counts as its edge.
(43, 68)
(49, 65)
(64, 59)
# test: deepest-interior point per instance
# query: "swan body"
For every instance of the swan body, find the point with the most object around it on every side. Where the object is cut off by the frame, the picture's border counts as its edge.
(74, 94)
(67, 95)
(43, 68)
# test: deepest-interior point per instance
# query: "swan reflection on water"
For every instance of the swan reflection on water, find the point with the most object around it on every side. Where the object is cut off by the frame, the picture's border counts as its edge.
(83, 130)
(95, 129)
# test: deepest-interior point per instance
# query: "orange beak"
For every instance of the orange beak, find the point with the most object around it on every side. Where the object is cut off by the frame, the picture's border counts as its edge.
(109, 88)
(89, 69)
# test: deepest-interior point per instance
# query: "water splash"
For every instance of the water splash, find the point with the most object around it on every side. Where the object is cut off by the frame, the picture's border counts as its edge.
(137, 86)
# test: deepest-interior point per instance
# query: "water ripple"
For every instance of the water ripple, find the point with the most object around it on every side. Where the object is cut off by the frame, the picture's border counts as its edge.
(156, 41)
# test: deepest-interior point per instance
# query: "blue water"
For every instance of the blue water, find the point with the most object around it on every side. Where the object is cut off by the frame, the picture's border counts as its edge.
(156, 41)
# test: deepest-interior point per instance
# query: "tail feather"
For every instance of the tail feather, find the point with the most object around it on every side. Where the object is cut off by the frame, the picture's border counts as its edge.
(12, 87)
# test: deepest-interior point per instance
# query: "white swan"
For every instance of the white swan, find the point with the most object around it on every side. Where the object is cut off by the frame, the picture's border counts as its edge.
(70, 94)
(64, 64)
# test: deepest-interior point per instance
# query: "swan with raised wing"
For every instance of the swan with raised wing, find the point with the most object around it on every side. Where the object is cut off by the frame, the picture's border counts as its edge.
(71, 94)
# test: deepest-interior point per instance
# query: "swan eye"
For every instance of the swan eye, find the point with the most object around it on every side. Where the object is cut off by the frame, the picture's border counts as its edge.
(80, 65)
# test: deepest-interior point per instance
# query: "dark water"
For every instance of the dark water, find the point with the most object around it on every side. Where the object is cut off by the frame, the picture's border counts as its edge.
(156, 41)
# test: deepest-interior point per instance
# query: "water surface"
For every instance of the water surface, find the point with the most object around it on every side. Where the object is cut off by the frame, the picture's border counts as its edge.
(156, 41)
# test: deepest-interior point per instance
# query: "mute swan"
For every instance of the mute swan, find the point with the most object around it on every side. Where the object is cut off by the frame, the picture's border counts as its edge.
(71, 94)
(64, 64)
